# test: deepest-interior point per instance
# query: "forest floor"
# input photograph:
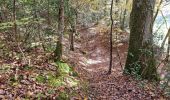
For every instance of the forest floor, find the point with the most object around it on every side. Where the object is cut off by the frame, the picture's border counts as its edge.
(31, 73)
(91, 57)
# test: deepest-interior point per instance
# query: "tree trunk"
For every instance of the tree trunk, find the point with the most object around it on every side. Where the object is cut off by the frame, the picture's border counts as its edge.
(73, 24)
(168, 50)
(157, 11)
(111, 42)
(14, 20)
(117, 11)
(105, 8)
(122, 26)
(73, 32)
(140, 59)
(58, 51)
(4, 12)
(166, 37)
(48, 13)
(1, 16)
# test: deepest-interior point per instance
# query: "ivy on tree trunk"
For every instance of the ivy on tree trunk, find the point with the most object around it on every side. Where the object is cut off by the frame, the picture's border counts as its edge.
(140, 59)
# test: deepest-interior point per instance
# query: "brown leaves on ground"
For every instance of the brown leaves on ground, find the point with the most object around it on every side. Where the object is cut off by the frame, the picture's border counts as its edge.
(93, 67)
(18, 78)
(90, 59)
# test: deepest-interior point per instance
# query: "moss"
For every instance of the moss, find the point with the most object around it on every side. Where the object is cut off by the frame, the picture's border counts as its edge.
(74, 74)
(58, 51)
(63, 68)
(142, 64)
(64, 76)
(41, 79)
(132, 61)
(63, 96)
(40, 96)
(56, 82)
(150, 71)
(51, 91)
(27, 67)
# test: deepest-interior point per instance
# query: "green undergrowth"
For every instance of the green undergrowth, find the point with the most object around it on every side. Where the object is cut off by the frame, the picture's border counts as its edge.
(65, 76)
(64, 79)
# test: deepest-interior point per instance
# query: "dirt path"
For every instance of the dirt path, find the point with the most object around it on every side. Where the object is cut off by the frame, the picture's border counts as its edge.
(93, 66)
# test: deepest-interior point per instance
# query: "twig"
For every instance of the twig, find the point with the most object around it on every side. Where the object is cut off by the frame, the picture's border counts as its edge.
(167, 35)
(157, 11)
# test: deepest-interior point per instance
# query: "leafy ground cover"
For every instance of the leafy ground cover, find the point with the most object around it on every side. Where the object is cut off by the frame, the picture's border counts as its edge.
(80, 76)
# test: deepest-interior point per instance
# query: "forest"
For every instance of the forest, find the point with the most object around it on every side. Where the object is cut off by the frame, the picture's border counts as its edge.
(84, 50)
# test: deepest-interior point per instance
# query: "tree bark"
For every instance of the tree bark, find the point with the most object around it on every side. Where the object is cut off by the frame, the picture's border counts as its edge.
(166, 37)
(140, 59)
(14, 21)
(117, 12)
(73, 24)
(58, 50)
(157, 11)
(48, 13)
(73, 32)
(111, 42)
(168, 49)
(124, 17)
(4, 12)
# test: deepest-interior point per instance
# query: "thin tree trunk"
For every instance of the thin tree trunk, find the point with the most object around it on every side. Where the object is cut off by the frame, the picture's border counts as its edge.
(14, 20)
(111, 42)
(73, 32)
(48, 13)
(166, 37)
(58, 51)
(168, 50)
(1, 16)
(4, 12)
(157, 11)
(72, 41)
(124, 17)
(105, 8)
(15, 33)
(117, 11)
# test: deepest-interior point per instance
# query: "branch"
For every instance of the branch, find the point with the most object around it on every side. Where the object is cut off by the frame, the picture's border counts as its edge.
(157, 11)
(167, 35)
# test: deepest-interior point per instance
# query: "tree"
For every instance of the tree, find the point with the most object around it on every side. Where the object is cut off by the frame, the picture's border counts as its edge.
(166, 37)
(72, 19)
(14, 20)
(168, 50)
(140, 59)
(157, 10)
(111, 41)
(122, 25)
(58, 50)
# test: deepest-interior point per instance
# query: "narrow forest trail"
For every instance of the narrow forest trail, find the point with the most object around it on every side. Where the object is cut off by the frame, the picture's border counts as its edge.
(92, 62)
